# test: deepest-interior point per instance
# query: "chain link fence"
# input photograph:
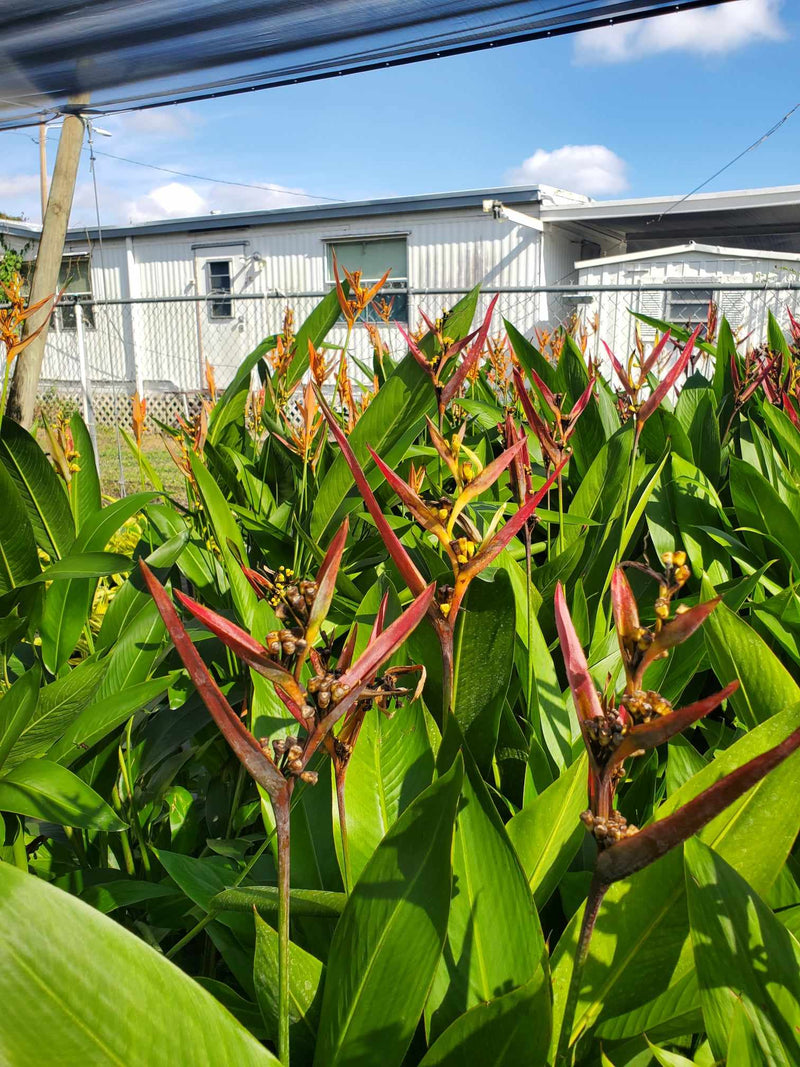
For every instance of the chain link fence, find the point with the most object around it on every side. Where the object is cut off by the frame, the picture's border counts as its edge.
(100, 353)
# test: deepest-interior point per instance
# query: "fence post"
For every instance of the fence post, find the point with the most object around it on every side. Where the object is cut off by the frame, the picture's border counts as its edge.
(86, 388)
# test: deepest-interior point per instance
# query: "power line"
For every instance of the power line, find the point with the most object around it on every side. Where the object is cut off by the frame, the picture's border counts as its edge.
(219, 181)
(266, 187)
(730, 163)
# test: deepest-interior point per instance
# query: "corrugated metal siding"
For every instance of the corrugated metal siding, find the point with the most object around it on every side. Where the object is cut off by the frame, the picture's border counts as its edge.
(168, 343)
(746, 311)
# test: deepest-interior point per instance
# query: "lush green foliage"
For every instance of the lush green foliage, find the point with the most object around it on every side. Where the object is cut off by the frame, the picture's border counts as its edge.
(468, 518)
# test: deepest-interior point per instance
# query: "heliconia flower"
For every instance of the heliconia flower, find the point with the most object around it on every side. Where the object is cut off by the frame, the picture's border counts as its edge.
(317, 707)
(360, 296)
(435, 365)
(553, 441)
(138, 414)
(643, 848)
(640, 647)
(468, 555)
(521, 484)
(643, 409)
(613, 733)
(470, 360)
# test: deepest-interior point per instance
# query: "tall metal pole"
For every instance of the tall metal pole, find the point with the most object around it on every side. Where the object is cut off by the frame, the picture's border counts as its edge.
(22, 398)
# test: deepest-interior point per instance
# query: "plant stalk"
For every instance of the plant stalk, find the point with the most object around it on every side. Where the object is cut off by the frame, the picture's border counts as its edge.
(340, 773)
(281, 808)
(597, 891)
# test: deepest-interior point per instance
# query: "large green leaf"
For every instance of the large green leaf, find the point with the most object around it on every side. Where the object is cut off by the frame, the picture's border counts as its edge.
(737, 651)
(640, 945)
(306, 975)
(59, 704)
(19, 561)
(93, 723)
(47, 791)
(743, 956)
(230, 408)
(509, 1031)
(226, 531)
(483, 662)
(84, 486)
(390, 424)
(390, 936)
(40, 488)
(68, 602)
(392, 761)
(548, 832)
(77, 988)
(17, 708)
(494, 941)
(759, 507)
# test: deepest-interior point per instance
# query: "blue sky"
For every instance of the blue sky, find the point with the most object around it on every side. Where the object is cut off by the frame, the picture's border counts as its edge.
(647, 109)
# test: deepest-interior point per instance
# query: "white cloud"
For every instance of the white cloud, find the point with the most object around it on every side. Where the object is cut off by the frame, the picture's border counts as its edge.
(707, 31)
(581, 168)
(176, 199)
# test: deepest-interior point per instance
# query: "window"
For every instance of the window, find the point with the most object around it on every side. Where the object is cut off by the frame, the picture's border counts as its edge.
(219, 289)
(688, 307)
(373, 257)
(75, 279)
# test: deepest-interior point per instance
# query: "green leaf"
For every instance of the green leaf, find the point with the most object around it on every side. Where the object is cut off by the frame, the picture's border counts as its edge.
(19, 561)
(759, 507)
(743, 1048)
(100, 718)
(390, 936)
(494, 941)
(390, 424)
(485, 635)
(59, 954)
(305, 991)
(40, 488)
(68, 602)
(508, 1031)
(84, 485)
(668, 1059)
(315, 329)
(601, 492)
(548, 832)
(314, 903)
(743, 955)
(122, 893)
(226, 530)
(46, 791)
(737, 651)
(59, 704)
(229, 409)
(85, 565)
(17, 708)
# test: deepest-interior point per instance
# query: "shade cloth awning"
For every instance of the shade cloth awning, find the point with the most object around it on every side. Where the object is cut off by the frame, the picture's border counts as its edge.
(141, 53)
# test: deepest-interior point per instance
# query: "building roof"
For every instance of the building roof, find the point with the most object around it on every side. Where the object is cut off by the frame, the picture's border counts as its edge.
(346, 209)
(644, 222)
(692, 246)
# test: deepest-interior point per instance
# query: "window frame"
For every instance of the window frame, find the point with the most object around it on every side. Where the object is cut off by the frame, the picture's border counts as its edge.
(395, 285)
(685, 298)
(70, 299)
(217, 297)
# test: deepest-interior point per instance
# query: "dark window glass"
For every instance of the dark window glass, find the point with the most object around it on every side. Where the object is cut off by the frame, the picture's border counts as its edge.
(220, 305)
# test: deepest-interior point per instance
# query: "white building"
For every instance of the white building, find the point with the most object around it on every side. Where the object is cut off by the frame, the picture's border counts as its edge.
(160, 299)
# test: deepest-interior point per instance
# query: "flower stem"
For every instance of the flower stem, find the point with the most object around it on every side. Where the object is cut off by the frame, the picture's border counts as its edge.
(340, 772)
(597, 891)
(281, 807)
(628, 494)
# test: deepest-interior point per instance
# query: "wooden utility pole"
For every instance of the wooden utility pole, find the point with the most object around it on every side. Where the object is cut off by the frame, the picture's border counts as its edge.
(43, 165)
(22, 398)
